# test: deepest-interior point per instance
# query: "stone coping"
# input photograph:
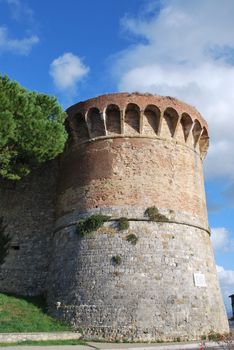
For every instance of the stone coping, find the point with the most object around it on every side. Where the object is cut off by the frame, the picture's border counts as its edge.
(132, 214)
(15, 337)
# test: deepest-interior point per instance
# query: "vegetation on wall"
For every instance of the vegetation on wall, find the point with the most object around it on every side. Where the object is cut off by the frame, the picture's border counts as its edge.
(4, 242)
(131, 238)
(116, 260)
(154, 215)
(92, 223)
(31, 129)
(123, 224)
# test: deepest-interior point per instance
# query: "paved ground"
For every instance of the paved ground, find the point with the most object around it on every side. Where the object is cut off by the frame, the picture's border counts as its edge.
(111, 346)
(127, 346)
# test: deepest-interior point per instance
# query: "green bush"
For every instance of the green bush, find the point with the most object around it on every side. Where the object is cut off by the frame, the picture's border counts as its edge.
(92, 223)
(154, 215)
(123, 224)
(116, 260)
(4, 242)
(132, 238)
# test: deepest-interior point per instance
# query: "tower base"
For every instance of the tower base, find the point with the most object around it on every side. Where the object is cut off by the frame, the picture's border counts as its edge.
(152, 293)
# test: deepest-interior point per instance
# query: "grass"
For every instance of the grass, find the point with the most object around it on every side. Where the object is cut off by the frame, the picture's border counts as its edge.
(26, 314)
(46, 342)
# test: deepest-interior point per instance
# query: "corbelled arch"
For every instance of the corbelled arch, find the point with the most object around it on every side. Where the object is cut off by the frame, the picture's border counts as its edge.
(186, 123)
(204, 143)
(113, 119)
(95, 123)
(72, 137)
(169, 122)
(80, 127)
(151, 120)
(197, 129)
(132, 119)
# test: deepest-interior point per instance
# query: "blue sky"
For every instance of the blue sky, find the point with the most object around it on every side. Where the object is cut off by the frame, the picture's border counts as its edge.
(77, 49)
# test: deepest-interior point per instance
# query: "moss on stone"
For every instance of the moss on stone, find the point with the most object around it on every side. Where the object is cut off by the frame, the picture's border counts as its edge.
(116, 260)
(154, 215)
(132, 238)
(123, 224)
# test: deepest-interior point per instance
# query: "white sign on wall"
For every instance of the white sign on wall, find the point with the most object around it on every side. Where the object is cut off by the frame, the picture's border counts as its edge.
(199, 279)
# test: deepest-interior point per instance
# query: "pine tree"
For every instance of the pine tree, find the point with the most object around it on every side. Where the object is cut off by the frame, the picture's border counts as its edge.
(31, 129)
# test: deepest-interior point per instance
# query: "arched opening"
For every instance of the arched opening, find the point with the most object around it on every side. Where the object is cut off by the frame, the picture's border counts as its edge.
(204, 143)
(95, 123)
(169, 122)
(132, 119)
(80, 127)
(113, 123)
(72, 137)
(151, 120)
(186, 123)
(196, 132)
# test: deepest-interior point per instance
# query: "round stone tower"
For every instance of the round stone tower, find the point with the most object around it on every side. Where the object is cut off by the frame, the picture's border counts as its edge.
(136, 156)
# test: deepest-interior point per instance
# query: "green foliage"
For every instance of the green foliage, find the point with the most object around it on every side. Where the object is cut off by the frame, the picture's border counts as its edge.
(116, 260)
(123, 224)
(26, 314)
(4, 242)
(154, 215)
(132, 238)
(86, 226)
(31, 129)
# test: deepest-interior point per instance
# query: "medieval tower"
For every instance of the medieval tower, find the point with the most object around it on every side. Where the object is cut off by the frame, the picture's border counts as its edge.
(138, 157)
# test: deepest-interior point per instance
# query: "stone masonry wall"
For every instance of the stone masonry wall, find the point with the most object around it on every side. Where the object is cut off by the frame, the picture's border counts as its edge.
(126, 153)
(28, 210)
(150, 296)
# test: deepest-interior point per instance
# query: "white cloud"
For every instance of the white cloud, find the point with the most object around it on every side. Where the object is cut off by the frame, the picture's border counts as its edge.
(226, 278)
(221, 240)
(67, 70)
(17, 46)
(186, 50)
(19, 10)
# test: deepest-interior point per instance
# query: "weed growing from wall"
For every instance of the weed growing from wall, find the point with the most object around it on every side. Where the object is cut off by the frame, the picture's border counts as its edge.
(154, 215)
(92, 223)
(4, 242)
(123, 224)
(132, 238)
(116, 260)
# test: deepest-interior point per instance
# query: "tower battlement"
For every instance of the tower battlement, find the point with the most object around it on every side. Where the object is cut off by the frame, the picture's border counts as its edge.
(138, 115)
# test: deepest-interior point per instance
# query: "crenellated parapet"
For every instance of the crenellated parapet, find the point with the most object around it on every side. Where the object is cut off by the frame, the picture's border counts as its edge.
(138, 115)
